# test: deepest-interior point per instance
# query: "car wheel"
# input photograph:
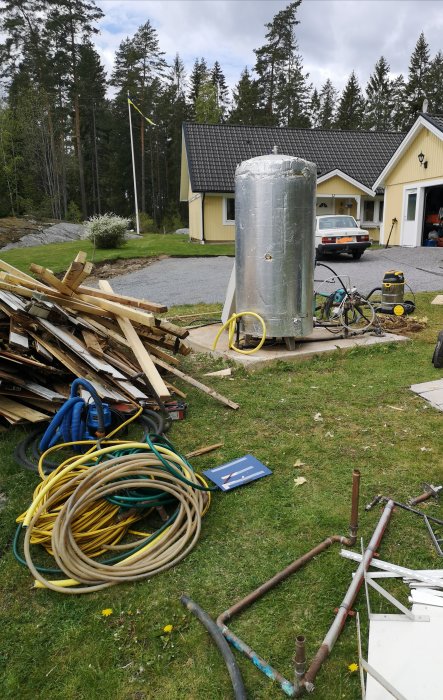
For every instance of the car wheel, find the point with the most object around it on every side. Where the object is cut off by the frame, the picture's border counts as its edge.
(356, 254)
(318, 256)
(437, 357)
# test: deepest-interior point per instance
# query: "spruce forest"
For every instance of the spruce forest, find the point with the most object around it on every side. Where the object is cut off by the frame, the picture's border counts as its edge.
(64, 127)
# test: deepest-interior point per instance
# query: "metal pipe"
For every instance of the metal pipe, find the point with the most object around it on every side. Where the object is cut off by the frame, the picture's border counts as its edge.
(340, 619)
(223, 646)
(290, 689)
(299, 661)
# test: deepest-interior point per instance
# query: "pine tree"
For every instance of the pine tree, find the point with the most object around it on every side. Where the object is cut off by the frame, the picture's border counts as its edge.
(351, 106)
(398, 103)
(139, 68)
(328, 105)
(199, 75)
(435, 84)
(219, 80)
(278, 66)
(94, 132)
(418, 81)
(314, 109)
(67, 22)
(246, 97)
(378, 108)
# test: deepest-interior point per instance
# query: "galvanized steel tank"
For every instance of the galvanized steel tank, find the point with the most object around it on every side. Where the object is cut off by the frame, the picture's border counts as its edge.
(274, 234)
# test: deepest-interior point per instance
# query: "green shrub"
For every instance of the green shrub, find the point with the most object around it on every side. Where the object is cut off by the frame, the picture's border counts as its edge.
(147, 224)
(107, 231)
(74, 213)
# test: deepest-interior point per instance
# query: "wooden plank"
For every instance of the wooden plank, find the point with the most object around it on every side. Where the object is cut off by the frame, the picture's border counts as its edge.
(19, 410)
(63, 301)
(17, 337)
(177, 391)
(81, 257)
(204, 450)
(50, 279)
(162, 355)
(6, 267)
(197, 384)
(171, 328)
(72, 272)
(91, 342)
(75, 282)
(438, 299)
(144, 318)
(140, 352)
(29, 283)
(125, 300)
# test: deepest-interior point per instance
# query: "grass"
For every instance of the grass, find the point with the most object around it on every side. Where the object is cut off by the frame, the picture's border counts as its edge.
(57, 256)
(62, 648)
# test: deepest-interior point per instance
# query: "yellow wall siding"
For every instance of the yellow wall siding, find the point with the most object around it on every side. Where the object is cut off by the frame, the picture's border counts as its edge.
(215, 229)
(336, 185)
(393, 210)
(408, 169)
(195, 217)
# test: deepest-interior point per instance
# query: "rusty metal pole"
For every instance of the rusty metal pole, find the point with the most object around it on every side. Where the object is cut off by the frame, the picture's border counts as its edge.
(337, 625)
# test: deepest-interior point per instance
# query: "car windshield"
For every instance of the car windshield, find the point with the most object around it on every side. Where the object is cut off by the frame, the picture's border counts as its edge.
(337, 222)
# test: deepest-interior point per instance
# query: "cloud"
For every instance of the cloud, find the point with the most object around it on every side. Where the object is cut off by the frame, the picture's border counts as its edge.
(334, 36)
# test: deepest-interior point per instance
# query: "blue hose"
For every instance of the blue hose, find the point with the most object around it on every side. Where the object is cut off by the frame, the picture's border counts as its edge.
(69, 424)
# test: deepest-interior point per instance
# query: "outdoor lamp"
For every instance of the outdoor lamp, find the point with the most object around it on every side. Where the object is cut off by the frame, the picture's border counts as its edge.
(421, 157)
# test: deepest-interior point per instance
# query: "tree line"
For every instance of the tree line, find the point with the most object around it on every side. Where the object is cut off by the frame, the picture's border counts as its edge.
(64, 143)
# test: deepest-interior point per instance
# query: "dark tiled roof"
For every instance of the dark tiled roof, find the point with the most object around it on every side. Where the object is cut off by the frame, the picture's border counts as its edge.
(434, 119)
(214, 151)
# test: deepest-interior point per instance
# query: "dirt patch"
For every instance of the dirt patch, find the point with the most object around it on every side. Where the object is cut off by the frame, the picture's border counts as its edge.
(114, 268)
(12, 228)
(403, 325)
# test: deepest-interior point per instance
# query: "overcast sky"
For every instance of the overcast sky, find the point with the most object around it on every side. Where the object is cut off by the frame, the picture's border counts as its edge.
(334, 36)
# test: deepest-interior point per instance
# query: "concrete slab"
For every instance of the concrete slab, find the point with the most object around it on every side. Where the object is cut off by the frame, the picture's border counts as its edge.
(431, 392)
(321, 341)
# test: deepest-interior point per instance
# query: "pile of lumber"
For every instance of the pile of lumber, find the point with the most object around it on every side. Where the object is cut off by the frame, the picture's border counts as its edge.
(53, 330)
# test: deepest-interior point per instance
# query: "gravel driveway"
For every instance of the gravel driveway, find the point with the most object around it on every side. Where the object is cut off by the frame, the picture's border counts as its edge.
(191, 280)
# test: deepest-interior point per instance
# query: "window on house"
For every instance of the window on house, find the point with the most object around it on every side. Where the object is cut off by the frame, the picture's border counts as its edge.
(412, 202)
(230, 209)
(380, 210)
(368, 210)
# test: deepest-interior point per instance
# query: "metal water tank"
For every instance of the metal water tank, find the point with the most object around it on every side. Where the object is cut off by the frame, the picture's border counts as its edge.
(274, 235)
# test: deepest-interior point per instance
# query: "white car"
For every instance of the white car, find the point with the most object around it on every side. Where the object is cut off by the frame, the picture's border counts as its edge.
(340, 233)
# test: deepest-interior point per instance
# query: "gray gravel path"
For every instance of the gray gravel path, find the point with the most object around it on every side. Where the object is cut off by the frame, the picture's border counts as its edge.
(191, 280)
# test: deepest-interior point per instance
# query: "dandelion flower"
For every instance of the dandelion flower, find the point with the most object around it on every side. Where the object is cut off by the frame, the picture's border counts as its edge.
(352, 668)
(106, 612)
(168, 629)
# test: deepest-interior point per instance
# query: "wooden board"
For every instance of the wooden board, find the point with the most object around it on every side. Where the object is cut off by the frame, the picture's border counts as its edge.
(140, 352)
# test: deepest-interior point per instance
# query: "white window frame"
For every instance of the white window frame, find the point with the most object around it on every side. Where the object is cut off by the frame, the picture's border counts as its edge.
(376, 222)
(226, 221)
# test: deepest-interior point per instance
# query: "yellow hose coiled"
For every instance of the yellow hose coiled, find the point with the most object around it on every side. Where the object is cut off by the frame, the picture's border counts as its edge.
(72, 519)
(231, 325)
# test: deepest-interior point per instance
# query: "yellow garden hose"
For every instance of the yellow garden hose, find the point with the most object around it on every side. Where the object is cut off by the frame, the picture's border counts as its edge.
(72, 518)
(231, 326)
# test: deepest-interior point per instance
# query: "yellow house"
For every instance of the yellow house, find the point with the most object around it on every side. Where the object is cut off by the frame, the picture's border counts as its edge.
(348, 162)
(413, 184)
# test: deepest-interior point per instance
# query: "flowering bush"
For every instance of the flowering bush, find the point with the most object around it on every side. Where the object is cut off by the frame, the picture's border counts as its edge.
(107, 231)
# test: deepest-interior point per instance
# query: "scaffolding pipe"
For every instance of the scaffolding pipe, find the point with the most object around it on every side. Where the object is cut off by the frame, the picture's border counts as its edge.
(337, 626)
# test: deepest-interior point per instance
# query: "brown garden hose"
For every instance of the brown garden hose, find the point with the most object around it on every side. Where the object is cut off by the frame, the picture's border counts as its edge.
(94, 485)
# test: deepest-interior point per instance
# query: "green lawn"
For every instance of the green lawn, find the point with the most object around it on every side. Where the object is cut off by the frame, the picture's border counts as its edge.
(57, 256)
(62, 648)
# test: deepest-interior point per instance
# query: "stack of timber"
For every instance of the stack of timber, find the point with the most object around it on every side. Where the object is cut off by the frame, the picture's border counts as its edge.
(53, 330)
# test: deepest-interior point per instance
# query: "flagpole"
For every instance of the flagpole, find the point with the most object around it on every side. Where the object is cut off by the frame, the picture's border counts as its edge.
(133, 168)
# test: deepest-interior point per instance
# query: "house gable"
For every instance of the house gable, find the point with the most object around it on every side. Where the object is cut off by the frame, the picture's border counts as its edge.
(427, 131)
(337, 182)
